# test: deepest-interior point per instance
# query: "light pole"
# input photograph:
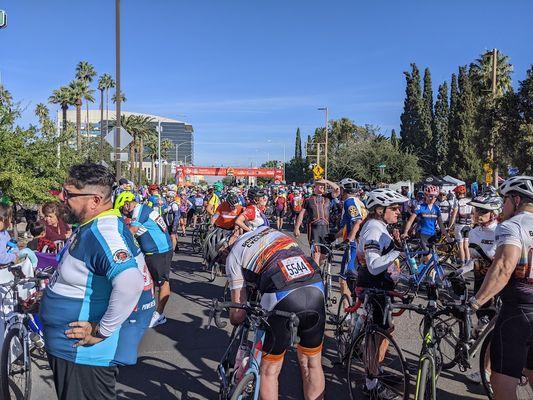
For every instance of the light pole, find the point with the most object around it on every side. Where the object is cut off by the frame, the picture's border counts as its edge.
(326, 142)
(177, 147)
(159, 129)
(118, 93)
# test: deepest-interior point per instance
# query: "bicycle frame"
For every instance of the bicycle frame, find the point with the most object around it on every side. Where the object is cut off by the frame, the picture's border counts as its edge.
(424, 268)
(427, 353)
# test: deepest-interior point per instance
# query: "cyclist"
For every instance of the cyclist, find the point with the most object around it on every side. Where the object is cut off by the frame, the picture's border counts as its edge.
(228, 212)
(155, 200)
(198, 204)
(445, 203)
(185, 206)
(151, 232)
(428, 215)
(288, 281)
(172, 218)
(87, 310)
(376, 255)
(511, 275)
(461, 221)
(354, 212)
(212, 201)
(317, 209)
(280, 208)
(253, 215)
(296, 204)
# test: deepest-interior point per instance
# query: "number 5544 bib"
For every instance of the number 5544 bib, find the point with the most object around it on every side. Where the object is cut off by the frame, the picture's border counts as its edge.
(295, 268)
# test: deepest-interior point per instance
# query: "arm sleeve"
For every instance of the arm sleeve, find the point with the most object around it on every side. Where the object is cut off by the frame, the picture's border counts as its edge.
(125, 293)
(375, 262)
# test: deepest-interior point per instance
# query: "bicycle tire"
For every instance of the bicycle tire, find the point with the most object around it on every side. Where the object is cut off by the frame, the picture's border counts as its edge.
(25, 393)
(358, 346)
(484, 354)
(423, 392)
(451, 335)
(195, 241)
(213, 267)
(343, 331)
(245, 387)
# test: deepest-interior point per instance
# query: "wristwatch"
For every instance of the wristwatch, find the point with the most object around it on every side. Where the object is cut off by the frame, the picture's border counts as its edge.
(473, 303)
(97, 334)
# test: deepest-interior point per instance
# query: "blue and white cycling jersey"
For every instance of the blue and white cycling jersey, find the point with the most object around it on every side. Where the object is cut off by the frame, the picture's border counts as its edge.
(153, 234)
(80, 290)
(427, 218)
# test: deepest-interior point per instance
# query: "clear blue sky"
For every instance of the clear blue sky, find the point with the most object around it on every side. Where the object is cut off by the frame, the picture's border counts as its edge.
(244, 72)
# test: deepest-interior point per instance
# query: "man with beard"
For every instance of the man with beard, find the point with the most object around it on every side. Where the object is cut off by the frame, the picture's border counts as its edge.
(99, 302)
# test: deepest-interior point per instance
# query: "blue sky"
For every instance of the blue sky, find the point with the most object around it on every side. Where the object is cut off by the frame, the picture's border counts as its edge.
(247, 73)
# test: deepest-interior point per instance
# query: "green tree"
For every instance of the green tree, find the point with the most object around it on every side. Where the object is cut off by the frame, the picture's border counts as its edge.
(122, 97)
(298, 145)
(166, 146)
(77, 90)
(85, 73)
(410, 118)
(394, 138)
(453, 129)
(441, 130)
(481, 75)
(63, 97)
(427, 151)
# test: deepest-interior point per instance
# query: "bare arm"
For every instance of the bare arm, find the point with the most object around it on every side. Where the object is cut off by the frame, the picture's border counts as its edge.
(499, 273)
(454, 215)
(442, 227)
(236, 315)
(409, 223)
(240, 222)
(299, 222)
(336, 189)
(354, 230)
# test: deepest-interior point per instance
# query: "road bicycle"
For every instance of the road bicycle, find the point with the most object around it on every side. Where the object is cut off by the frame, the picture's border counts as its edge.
(198, 236)
(325, 270)
(242, 380)
(374, 356)
(22, 335)
(430, 360)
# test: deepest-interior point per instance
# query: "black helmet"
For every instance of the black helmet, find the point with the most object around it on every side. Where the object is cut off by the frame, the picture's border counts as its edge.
(232, 199)
(254, 192)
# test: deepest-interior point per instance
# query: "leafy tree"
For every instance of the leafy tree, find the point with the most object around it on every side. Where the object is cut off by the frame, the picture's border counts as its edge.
(297, 170)
(394, 138)
(481, 75)
(453, 129)
(427, 150)
(441, 130)
(85, 73)
(410, 118)
(63, 97)
(298, 145)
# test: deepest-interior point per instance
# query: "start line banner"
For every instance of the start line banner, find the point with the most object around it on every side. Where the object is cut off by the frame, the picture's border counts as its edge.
(273, 173)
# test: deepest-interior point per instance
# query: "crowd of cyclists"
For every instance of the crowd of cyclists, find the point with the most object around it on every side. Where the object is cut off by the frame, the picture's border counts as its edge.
(253, 232)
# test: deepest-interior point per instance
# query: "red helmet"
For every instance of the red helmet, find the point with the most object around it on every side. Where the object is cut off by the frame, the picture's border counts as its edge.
(431, 190)
(461, 189)
(153, 187)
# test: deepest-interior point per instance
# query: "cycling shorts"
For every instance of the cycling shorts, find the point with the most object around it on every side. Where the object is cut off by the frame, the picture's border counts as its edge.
(511, 348)
(279, 213)
(307, 302)
(461, 232)
(379, 303)
(317, 234)
(348, 265)
(424, 241)
(159, 266)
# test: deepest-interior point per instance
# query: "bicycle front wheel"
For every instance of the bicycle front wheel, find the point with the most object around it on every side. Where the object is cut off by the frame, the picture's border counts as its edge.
(343, 328)
(369, 358)
(15, 366)
(246, 388)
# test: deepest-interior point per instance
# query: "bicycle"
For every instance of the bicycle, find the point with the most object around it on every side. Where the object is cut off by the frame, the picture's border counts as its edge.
(325, 270)
(198, 236)
(430, 359)
(243, 381)
(22, 335)
(369, 361)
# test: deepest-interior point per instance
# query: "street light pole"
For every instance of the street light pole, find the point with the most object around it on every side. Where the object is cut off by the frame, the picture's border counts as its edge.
(326, 142)
(159, 151)
(118, 92)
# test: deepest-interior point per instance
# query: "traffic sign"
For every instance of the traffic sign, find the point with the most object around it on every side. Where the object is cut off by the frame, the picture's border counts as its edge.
(3, 19)
(121, 156)
(125, 137)
(318, 171)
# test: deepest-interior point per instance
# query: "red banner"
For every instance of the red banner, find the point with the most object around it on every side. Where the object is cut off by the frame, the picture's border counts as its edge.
(273, 173)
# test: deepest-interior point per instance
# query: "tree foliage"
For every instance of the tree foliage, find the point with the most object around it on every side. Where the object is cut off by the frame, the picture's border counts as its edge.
(410, 118)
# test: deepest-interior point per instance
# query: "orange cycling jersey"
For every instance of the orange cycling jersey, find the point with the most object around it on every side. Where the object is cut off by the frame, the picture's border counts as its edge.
(227, 215)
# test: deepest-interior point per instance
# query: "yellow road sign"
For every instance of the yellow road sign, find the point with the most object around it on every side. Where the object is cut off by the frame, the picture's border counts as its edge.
(318, 171)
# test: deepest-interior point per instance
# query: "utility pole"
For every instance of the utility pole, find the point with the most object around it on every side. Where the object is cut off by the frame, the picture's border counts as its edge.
(326, 143)
(159, 152)
(494, 94)
(117, 88)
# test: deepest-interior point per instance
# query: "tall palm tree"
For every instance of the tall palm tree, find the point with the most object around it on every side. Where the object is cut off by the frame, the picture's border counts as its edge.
(85, 72)
(103, 86)
(151, 143)
(122, 97)
(140, 127)
(110, 84)
(41, 111)
(166, 146)
(481, 74)
(62, 96)
(77, 92)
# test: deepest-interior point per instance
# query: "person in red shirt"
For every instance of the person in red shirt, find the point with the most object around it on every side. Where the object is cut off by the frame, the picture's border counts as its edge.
(56, 228)
(280, 208)
(253, 216)
(228, 211)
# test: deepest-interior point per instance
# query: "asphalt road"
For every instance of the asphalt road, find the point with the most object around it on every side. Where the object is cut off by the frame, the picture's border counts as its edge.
(178, 360)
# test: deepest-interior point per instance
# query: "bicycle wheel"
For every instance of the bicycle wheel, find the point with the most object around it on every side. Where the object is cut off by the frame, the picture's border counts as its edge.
(447, 330)
(195, 241)
(391, 372)
(227, 292)
(212, 268)
(424, 384)
(484, 365)
(343, 328)
(246, 388)
(15, 366)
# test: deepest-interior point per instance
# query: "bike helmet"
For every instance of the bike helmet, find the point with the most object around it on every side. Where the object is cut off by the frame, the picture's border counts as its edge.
(461, 189)
(518, 184)
(232, 199)
(213, 244)
(122, 199)
(255, 192)
(349, 185)
(218, 186)
(153, 187)
(385, 198)
(431, 190)
(487, 202)
(171, 194)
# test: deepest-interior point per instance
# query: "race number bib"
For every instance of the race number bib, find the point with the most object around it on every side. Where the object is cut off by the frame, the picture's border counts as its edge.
(161, 223)
(295, 268)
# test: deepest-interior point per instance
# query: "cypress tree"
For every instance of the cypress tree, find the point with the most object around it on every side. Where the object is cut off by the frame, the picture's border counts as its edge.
(440, 130)
(394, 138)
(426, 152)
(410, 118)
(467, 160)
(298, 145)
(453, 130)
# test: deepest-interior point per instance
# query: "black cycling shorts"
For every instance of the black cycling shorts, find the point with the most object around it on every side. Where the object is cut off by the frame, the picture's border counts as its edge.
(425, 240)
(159, 266)
(378, 310)
(511, 348)
(279, 213)
(307, 302)
(317, 234)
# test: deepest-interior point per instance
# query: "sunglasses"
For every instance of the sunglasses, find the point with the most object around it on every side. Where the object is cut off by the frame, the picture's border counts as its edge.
(68, 195)
(482, 211)
(431, 196)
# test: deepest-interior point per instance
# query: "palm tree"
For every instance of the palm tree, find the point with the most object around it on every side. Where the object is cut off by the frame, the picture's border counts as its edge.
(151, 143)
(85, 72)
(62, 96)
(481, 74)
(77, 92)
(143, 135)
(122, 97)
(41, 111)
(110, 84)
(166, 146)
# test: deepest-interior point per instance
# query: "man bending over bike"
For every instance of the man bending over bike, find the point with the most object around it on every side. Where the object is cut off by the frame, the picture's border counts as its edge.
(288, 281)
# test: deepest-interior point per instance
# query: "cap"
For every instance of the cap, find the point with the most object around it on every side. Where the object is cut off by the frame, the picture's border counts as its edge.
(321, 182)
(123, 181)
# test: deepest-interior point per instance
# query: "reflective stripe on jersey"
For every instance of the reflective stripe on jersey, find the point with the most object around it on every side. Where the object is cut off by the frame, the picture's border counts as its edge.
(81, 287)
(152, 234)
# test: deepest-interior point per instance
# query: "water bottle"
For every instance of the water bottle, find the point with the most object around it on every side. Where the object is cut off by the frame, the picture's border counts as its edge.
(413, 266)
(361, 318)
(241, 362)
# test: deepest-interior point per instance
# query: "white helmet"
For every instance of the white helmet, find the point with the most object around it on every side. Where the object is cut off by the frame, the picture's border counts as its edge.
(349, 184)
(489, 202)
(519, 184)
(385, 198)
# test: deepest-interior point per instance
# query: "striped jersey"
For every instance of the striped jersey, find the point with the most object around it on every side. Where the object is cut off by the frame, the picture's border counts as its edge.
(80, 290)
(152, 234)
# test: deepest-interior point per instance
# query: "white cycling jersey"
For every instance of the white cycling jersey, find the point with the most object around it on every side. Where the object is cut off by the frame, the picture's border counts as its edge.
(464, 211)
(375, 248)
(485, 238)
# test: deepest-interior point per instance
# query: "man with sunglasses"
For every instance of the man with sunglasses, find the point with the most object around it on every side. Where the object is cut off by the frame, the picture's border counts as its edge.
(511, 274)
(98, 303)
